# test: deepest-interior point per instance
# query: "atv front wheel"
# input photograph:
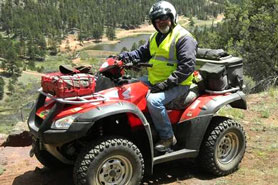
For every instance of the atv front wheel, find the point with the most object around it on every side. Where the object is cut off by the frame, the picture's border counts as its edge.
(223, 146)
(109, 161)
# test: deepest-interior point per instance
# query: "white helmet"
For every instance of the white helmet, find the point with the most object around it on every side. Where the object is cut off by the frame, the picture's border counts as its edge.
(163, 8)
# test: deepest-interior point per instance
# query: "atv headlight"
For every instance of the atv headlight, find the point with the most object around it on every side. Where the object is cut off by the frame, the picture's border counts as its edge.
(63, 123)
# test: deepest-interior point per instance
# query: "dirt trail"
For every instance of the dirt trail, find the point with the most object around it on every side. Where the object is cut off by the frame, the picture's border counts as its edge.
(27, 72)
(23, 170)
(33, 73)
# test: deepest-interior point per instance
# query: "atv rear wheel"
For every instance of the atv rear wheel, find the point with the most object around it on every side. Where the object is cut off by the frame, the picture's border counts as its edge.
(46, 158)
(109, 161)
(223, 146)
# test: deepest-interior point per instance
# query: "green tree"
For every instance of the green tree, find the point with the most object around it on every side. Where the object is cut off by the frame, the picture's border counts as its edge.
(250, 31)
(2, 84)
(110, 33)
(11, 87)
(124, 49)
(11, 61)
(191, 21)
(134, 46)
(27, 23)
(52, 46)
(97, 31)
(141, 42)
(254, 37)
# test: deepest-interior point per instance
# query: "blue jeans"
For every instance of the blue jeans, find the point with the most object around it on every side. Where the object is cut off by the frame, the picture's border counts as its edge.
(158, 112)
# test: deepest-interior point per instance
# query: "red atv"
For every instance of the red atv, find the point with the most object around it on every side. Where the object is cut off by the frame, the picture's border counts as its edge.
(109, 138)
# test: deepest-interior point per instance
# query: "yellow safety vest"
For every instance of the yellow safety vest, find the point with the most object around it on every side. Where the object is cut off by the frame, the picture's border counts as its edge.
(164, 57)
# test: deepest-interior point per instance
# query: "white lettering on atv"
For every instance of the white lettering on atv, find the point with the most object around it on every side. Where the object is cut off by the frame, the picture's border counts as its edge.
(126, 94)
(112, 94)
(195, 104)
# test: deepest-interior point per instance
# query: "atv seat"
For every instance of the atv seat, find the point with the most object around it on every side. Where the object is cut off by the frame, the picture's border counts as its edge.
(184, 100)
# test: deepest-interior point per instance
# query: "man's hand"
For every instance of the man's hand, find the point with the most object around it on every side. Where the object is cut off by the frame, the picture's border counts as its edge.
(162, 86)
(123, 58)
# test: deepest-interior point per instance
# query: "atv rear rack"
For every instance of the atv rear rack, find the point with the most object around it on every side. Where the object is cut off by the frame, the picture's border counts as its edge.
(223, 92)
(93, 98)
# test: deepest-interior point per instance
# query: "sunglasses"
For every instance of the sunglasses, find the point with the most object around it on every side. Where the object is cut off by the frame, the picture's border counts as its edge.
(162, 18)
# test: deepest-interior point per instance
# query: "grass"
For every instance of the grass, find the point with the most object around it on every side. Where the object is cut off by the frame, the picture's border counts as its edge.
(95, 53)
(185, 22)
(2, 169)
(273, 147)
(275, 171)
(273, 92)
(265, 113)
(261, 154)
(267, 105)
(237, 114)
(6, 128)
(263, 110)
(221, 181)
(27, 79)
(87, 57)
(52, 63)
(13, 106)
(6, 80)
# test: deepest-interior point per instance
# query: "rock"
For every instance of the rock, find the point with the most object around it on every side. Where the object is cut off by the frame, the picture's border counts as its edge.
(19, 136)
(20, 127)
(3, 138)
(18, 139)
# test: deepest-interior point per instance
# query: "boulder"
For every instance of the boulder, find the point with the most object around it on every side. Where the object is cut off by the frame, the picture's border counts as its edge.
(19, 136)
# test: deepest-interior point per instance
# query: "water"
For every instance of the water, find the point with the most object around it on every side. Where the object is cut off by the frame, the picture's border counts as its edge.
(125, 42)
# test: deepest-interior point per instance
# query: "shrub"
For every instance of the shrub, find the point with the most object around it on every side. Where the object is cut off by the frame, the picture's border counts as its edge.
(249, 84)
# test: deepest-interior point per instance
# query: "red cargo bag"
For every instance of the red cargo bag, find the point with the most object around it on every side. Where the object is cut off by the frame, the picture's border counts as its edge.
(64, 86)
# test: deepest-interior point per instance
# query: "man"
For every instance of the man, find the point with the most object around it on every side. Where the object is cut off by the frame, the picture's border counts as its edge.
(172, 51)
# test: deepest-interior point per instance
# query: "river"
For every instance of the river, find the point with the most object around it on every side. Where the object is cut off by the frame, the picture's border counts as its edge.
(125, 42)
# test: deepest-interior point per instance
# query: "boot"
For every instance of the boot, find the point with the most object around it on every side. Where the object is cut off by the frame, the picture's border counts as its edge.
(164, 144)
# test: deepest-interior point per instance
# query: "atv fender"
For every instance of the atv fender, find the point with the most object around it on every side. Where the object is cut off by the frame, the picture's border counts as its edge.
(236, 100)
(191, 131)
(113, 109)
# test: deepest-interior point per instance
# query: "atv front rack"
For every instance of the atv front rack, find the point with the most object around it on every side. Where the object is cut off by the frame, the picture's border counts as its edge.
(95, 97)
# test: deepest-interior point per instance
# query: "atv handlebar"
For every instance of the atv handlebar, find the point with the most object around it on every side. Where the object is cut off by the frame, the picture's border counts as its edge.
(114, 67)
(135, 65)
(145, 65)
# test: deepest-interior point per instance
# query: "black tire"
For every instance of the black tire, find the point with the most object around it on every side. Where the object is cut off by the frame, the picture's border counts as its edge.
(223, 146)
(46, 158)
(109, 161)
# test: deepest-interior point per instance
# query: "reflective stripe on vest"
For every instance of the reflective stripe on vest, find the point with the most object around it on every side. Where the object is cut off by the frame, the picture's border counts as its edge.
(164, 57)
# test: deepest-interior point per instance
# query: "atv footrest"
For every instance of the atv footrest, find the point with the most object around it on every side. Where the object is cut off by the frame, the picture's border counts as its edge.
(180, 154)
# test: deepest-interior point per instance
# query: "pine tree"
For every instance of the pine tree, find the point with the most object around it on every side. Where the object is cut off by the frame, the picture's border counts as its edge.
(141, 42)
(124, 49)
(110, 33)
(97, 31)
(134, 46)
(191, 21)
(30, 22)
(2, 84)
(11, 63)
(11, 85)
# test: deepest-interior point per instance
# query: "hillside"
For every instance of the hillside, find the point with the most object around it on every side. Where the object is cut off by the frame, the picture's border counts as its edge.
(12, 107)
(242, 29)
(259, 166)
